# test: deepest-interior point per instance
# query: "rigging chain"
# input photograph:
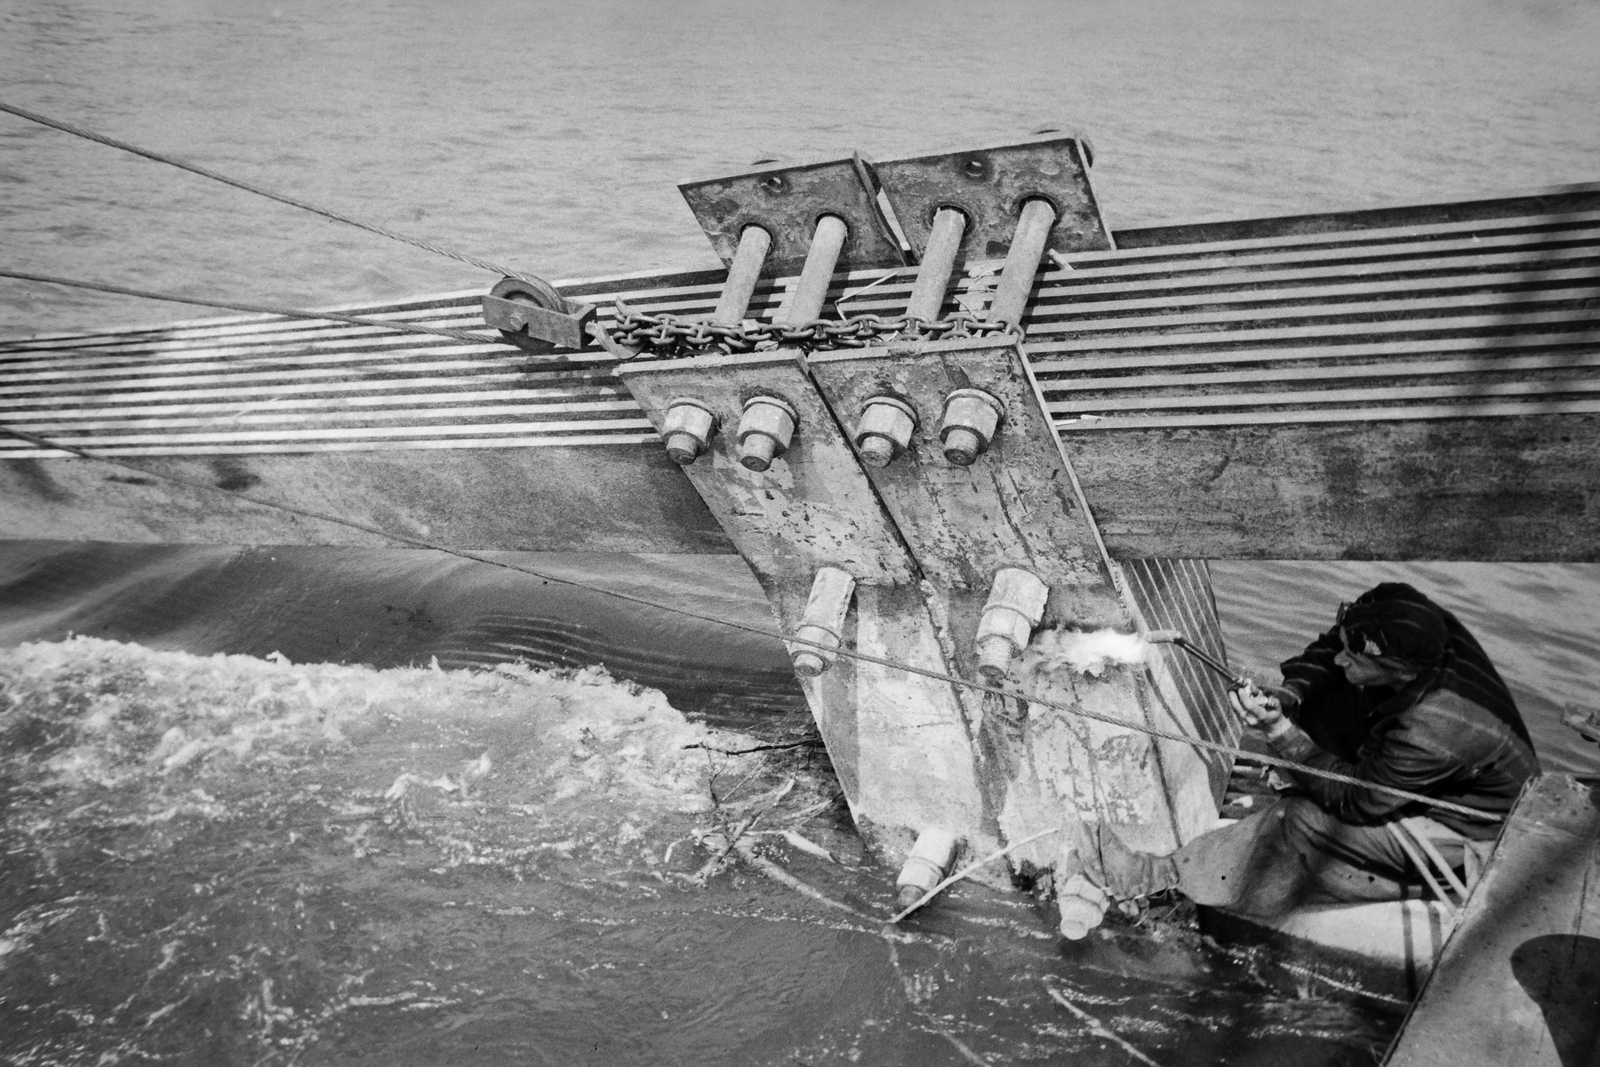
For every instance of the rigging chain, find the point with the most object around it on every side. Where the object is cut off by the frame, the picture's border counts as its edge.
(761, 631)
(665, 336)
(544, 288)
(661, 336)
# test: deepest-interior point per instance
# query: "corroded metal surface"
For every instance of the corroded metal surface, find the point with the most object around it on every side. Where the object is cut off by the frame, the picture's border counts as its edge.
(900, 743)
(1447, 489)
(813, 507)
(1397, 383)
(1014, 508)
(786, 202)
(989, 187)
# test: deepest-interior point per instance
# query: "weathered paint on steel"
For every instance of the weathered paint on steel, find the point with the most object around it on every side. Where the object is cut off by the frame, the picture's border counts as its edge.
(901, 743)
(1467, 489)
(989, 186)
(786, 201)
(1279, 388)
(1014, 507)
(813, 507)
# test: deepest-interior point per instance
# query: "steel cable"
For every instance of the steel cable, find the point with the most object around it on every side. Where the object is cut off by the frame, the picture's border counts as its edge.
(264, 309)
(761, 631)
(545, 289)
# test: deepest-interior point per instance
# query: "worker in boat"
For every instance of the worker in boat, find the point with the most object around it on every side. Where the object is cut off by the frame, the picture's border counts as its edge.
(1397, 693)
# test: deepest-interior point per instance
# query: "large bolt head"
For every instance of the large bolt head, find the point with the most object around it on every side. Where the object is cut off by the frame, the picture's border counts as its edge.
(810, 664)
(765, 431)
(884, 430)
(687, 429)
(971, 417)
(809, 660)
(995, 654)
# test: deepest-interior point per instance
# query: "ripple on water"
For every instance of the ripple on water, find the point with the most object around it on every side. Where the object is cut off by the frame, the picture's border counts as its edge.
(240, 859)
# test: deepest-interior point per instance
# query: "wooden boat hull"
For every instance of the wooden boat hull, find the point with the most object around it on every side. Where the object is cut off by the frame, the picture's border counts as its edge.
(1382, 951)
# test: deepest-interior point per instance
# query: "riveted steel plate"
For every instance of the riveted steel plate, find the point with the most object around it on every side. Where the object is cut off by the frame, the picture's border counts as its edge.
(786, 202)
(899, 741)
(989, 185)
(1014, 507)
(814, 507)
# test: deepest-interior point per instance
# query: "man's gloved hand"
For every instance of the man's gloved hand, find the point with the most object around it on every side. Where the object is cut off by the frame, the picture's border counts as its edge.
(1261, 706)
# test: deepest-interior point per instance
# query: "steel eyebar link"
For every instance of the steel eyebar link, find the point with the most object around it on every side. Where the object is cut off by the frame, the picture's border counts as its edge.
(938, 263)
(1034, 223)
(816, 275)
(743, 273)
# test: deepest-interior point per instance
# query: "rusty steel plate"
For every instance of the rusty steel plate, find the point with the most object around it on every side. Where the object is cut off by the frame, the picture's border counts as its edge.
(989, 185)
(786, 201)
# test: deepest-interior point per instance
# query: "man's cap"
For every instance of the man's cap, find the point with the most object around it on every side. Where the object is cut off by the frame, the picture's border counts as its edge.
(1387, 622)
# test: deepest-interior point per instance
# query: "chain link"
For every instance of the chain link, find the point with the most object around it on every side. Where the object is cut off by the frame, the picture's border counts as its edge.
(665, 336)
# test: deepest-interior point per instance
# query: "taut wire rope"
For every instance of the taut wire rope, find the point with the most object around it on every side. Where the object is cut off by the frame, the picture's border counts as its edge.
(761, 631)
(545, 289)
(265, 309)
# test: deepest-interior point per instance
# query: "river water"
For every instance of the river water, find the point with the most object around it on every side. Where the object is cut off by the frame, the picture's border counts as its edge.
(314, 806)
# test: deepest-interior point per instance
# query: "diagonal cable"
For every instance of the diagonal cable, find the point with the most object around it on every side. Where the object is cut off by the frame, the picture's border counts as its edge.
(760, 631)
(544, 288)
(264, 309)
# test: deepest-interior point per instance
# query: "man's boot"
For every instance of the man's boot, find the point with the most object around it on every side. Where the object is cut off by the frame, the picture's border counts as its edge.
(1222, 868)
(1124, 873)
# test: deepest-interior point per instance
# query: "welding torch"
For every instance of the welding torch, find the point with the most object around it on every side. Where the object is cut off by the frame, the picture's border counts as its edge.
(1173, 637)
(1235, 681)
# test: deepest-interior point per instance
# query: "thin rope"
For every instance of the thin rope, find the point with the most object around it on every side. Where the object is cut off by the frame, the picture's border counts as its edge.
(546, 290)
(968, 869)
(761, 631)
(264, 309)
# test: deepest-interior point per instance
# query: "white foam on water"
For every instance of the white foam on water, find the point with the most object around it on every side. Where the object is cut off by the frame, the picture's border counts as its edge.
(174, 732)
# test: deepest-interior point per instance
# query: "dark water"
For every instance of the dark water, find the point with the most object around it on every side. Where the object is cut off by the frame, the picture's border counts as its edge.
(203, 861)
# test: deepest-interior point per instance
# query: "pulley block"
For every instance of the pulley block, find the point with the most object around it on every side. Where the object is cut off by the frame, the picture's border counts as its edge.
(524, 316)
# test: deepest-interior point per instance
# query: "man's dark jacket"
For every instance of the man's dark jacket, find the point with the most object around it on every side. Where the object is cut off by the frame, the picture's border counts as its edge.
(1454, 733)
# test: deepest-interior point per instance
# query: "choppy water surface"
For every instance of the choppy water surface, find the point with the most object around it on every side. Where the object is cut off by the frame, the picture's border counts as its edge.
(551, 134)
(438, 848)
(343, 854)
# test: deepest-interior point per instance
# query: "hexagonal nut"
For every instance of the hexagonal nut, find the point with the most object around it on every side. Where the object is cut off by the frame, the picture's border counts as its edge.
(884, 430)
(687, 429)
(971, 417)
(765, 431)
